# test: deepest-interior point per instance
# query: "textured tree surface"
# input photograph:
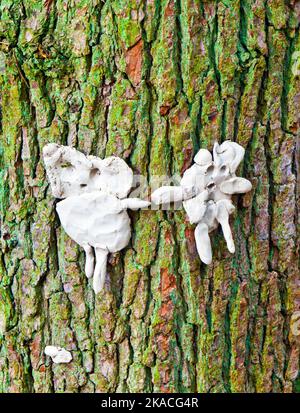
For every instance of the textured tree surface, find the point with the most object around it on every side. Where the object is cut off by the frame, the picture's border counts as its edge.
(151, 81)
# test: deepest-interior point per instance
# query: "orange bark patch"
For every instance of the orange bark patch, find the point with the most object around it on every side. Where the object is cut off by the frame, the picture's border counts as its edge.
(180, 117)
(188, 156)
(165, 377)
(35, 347)
(166, 310)
(134, 63)
(170, 9)
(213, 116)
(168, 237)
(168, 283)
(164, 110)
(210, 90)
(48, 4)
(190, 241)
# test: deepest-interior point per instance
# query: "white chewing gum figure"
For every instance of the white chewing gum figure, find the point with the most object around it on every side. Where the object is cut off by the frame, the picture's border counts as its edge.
(206, 189)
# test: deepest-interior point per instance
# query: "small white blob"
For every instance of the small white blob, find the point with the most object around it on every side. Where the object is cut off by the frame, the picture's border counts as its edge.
(58, 354)
(206, 189)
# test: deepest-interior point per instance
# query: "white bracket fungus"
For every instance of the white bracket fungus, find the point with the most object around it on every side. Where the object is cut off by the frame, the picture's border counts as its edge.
(93, 212)
(206, 189)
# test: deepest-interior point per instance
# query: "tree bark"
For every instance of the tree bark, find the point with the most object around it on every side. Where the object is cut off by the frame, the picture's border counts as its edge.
(151, 81)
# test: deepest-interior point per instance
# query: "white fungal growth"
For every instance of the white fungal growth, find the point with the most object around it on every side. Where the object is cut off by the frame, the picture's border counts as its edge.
(93, 212)
(58, 354)
(206, 189)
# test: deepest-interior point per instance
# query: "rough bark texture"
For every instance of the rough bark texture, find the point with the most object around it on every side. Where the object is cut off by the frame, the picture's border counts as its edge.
(151, 81)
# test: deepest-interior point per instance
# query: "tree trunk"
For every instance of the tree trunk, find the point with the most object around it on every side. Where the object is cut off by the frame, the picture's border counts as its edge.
(151, 81)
